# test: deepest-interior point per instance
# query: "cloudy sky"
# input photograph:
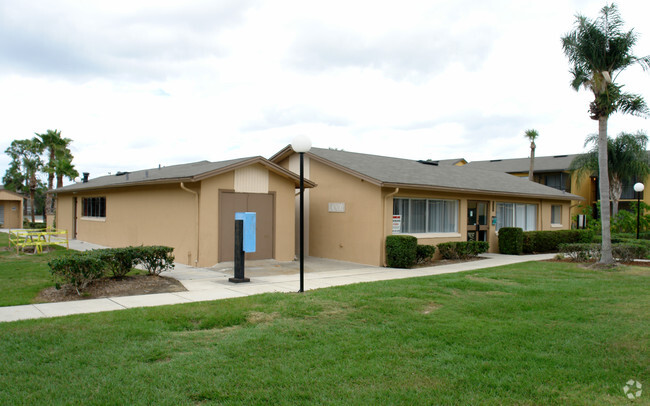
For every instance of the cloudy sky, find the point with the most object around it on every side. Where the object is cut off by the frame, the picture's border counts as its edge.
(138, 83)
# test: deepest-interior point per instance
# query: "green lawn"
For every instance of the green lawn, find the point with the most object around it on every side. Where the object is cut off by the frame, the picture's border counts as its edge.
(22, 276)
(527, 334)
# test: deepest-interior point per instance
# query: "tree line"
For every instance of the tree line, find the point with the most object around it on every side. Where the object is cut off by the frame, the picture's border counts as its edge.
(45, 154)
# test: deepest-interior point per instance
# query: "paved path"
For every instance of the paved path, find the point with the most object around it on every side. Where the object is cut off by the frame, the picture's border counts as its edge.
(205, 284)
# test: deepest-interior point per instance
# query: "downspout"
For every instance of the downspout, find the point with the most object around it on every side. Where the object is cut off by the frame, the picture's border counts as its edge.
(383, 242)
(196, 194)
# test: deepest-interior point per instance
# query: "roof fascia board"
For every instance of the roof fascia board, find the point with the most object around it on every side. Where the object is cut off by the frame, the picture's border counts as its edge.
(480, 192)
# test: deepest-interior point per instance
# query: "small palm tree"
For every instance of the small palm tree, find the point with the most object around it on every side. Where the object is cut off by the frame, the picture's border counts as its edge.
(627, 159)
(531, 135)
(598, 51)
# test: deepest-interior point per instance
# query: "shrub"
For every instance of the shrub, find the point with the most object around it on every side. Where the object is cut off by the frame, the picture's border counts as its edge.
(462, 249)
(401, 251)
(511, 240)
(629, 251)
(157, 258)
(77, 269)
(580, 252)
(424, 253)
(119, 261)
(548, 241)
(624, 252)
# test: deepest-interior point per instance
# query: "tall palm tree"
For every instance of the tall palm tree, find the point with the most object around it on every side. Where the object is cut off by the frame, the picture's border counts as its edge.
(627, 159)
(531, 135)
(59, 163)
(598, 51)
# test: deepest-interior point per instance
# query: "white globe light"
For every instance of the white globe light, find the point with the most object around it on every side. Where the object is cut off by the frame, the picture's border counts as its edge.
(301, 143)
(638, 187)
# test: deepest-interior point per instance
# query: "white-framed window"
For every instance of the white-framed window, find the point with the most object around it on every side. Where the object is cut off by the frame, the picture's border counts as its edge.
(426, 215)
(556, 214)
(94, 207)
(517, 215)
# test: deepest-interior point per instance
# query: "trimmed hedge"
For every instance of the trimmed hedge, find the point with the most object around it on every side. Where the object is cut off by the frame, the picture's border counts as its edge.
(511, 240)
(424, 253)
(623, 252)
(81, 268)
(462, 249)
(78, 269)
(549, 241)
(401, 251)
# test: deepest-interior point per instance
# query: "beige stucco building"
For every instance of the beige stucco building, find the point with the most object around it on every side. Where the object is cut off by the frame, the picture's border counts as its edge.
(11, 209)
(361, 199)
(352, 202)
(189, 207)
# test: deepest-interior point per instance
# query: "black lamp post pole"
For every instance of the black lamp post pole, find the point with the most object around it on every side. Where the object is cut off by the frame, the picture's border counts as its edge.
(302, 223)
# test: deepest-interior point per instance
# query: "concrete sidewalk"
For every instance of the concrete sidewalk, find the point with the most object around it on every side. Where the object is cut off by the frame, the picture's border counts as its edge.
(204, 284)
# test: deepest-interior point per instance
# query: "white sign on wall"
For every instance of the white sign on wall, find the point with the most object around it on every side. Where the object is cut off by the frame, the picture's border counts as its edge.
(336, 207)
(397, 223)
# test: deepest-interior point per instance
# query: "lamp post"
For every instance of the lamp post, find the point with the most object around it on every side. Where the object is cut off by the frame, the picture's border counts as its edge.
(638, 188)
(302, 144)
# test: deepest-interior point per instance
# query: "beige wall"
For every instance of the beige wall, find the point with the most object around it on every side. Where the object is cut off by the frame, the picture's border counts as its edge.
(354, 235)
(359, 234)
(153, 215)
(167, 215)
(13, 209)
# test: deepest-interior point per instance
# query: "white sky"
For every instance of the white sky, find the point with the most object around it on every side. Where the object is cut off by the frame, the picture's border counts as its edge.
(138, 83)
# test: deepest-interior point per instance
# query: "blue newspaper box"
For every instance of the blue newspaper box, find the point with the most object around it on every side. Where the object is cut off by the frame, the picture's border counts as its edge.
(249, 229)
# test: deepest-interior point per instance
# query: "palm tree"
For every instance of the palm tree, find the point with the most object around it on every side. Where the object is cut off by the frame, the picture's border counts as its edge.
(531, 135)
(627, 160)
(59, 163)
(598, 51)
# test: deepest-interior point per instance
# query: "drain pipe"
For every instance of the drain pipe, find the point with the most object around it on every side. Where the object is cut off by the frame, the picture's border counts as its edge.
(196, 195)
(383, 243)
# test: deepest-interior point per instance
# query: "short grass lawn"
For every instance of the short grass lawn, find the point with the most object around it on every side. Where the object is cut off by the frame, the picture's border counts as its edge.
(528, 334)
(22, 276)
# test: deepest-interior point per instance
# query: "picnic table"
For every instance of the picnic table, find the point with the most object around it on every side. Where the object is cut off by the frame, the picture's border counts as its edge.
(37, 238)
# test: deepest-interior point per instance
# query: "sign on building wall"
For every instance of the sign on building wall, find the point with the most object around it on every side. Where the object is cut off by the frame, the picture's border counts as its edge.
(336, 207)
(397, 223)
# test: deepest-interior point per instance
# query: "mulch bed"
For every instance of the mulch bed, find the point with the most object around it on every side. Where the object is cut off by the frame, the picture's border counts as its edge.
(438, 262)
(113, 287)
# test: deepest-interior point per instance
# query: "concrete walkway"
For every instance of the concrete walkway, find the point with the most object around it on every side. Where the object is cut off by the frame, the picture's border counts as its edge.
(205, 284)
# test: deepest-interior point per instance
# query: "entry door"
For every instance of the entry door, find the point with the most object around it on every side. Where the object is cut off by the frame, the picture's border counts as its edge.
(263, 205)
(477, 220)
(74, 219)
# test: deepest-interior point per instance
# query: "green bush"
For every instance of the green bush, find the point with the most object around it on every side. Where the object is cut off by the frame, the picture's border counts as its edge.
(548, 241)
(82, 268)
(462, 249)
(401, 251)
(78, 269)
(623, 252)
(580, 252)
(157, 258)
(511, 240)
(119, 261)
(424, 253)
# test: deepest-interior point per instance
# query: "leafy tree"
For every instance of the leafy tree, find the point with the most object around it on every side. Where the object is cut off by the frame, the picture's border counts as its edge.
(25, 164)
(627, 159)
(531, 135)
(598, 51)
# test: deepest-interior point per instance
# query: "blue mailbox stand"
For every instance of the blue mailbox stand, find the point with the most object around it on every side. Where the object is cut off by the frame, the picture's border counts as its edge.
(244, 242)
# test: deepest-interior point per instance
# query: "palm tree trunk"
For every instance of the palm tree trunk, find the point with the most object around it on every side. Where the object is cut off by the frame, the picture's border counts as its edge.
(532, 161)
(603, 181)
